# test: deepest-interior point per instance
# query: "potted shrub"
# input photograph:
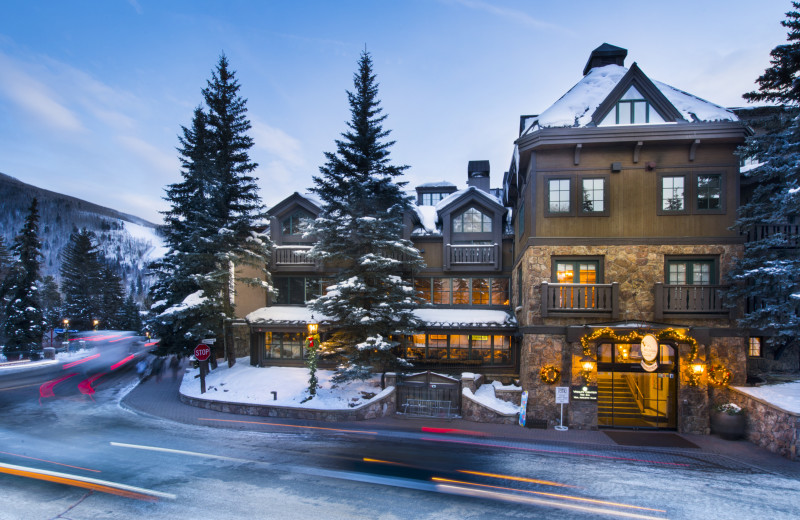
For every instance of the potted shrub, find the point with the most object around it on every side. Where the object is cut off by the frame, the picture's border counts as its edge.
(728, 421)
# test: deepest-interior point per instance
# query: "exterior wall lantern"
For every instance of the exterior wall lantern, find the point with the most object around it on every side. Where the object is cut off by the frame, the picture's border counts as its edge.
(587, 366)
(696, 369)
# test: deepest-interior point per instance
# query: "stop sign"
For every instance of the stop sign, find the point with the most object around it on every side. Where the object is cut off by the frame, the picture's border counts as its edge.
(201, 352)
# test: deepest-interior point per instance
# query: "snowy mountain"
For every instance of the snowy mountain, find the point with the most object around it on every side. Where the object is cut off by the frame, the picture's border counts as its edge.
(128, 242)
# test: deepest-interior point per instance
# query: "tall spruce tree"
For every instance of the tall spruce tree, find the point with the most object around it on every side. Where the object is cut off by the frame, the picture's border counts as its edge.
(360, 228)
(769, 272)
(81, 285)
(212, 223)
(6, 263)
(50, 300)
(24, 324)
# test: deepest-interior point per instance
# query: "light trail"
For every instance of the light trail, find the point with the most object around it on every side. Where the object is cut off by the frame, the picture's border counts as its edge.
(103, 486)
(379, 461)
(84, 360)
(120, 363)
(85, 386)
(182, 452)
(556, 452)
(289, 425)
(46, 389)
(49, 461)
(428, 429)
(518, 479)
(553, 495)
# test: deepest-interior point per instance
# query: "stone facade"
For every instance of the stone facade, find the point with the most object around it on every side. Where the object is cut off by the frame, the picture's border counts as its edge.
(538, 350)
(472, 410)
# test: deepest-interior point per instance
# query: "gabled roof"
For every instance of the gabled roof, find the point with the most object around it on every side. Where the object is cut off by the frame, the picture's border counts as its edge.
(636, 78)
(577, 108)
(471, 192)
(305, 201)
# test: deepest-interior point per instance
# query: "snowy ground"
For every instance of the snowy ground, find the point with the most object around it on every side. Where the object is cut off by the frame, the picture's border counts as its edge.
(784, 395)
(253, 385)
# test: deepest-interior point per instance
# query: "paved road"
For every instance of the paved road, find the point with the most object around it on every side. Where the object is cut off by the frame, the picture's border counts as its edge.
(183, 462)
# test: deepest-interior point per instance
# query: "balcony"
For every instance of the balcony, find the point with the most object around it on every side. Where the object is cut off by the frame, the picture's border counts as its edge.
(290, 256)
(470, 256)
(690, 301)
(580, 300)
(791, 233)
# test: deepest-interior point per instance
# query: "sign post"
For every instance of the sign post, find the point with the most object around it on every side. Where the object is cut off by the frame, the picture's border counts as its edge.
(562, 398)
(201, 353)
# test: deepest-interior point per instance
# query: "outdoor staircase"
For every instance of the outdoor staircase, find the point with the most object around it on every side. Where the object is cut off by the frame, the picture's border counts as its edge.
(622, 410)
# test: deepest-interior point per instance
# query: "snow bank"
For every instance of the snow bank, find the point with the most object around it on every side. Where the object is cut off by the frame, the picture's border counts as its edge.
(784, 395)
(485, 396)
(284, 313)
(247, 384)
(478, 317)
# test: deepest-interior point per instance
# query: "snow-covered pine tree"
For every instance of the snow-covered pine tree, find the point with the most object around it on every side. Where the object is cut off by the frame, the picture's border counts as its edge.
(129, 317)
(360, 229)
(24, 324)
(50, 300)
(111, 298)
(80, 280)
(6, 263)
(769, 272)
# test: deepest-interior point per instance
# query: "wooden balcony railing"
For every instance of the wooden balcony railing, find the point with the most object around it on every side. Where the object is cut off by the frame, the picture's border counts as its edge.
(465, 255)
(791, 233)
(580, 299)
(291, 255)
(690, 301)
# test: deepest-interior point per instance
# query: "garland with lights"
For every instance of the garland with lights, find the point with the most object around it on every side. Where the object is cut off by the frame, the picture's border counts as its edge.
(549, 374)
(312, 345)
(718, 375)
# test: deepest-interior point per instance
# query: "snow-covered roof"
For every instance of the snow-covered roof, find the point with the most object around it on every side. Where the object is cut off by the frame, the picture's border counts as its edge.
(284, 314)
(576, 107)
(472, 189)
(439, 184)
(427, 217)
(465, 318)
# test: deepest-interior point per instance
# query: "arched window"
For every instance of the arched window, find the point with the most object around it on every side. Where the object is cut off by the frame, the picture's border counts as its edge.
(292, 224)
(472, 221)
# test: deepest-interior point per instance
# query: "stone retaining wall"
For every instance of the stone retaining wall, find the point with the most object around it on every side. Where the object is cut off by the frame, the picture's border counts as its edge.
(768, 426)
(472, 410)
(379, 408)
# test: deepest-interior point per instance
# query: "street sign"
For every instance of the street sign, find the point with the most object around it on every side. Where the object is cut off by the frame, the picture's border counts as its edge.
(202, 352)
(562, 395)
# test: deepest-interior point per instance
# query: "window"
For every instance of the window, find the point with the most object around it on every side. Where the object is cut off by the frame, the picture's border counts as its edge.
(423, 288)
(593, 196)
(499, 291)
(576, 271)
(284, 345)
(463, 291)
(480, 291)
(691, 272)
(673, 197)
(754, 347)
(294, 223)
(441, 291)
(632, 109)
(558, 196)
(709, 192)
(472, 221)
(297, 290)
(431, 199)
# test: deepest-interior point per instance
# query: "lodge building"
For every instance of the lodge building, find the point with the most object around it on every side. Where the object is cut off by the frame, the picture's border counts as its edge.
(600, 264)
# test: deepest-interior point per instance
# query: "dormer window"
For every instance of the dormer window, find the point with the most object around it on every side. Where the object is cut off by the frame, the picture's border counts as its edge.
(632, 109)
(291, 225)
(430, 199)
(472, 221)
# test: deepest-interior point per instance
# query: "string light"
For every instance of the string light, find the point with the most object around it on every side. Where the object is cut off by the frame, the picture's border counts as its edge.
(549, 374)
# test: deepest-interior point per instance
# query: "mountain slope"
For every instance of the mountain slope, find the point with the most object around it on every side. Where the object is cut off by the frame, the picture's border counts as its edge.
(128, 242)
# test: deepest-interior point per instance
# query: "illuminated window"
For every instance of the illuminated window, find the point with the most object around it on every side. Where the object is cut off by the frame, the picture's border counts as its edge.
(461, 291)
(423, 288)
(576, 271)
(480, 291)
(441, 291)
(754, 347)
(472, 221)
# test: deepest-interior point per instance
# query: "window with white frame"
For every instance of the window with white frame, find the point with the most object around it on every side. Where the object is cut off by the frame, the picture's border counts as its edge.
(472, 221)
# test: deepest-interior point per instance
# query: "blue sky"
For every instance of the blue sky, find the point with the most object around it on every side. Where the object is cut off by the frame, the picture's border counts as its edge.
(93, 93)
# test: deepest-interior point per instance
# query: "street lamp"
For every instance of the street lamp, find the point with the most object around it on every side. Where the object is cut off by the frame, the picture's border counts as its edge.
(313, 327)
(66, 332)
(95, 323)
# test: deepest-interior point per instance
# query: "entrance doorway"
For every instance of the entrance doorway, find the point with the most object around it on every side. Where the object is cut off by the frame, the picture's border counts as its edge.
(634, 394)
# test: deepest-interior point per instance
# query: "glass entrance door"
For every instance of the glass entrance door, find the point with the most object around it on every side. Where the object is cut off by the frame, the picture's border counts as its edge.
(628, 396)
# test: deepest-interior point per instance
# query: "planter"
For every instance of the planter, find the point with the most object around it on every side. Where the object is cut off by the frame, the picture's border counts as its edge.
(730, 427)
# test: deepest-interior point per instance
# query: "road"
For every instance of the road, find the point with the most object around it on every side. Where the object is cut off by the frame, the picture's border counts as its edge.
(80, 454)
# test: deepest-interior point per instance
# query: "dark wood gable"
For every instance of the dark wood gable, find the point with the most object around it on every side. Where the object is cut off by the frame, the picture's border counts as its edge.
(285, 208)
(487, 257)
(636, 78)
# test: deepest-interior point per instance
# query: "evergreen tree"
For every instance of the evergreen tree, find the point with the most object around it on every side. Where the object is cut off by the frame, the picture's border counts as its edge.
(24, 324)
(51, 303)
(211, 225)
(360, 228)
(769, 272)
(111, 296)
(81, 286)
(6, 263)
(129, 317)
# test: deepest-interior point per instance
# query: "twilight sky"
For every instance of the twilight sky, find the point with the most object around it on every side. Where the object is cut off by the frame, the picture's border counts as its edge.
(93, 93)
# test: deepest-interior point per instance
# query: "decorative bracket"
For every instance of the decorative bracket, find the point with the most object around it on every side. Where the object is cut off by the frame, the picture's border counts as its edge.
(577, 159)
(693, 149)
(636, 151)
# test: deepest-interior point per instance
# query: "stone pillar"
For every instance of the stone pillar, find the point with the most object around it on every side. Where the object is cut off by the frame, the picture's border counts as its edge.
(538, 350)
(471, 381)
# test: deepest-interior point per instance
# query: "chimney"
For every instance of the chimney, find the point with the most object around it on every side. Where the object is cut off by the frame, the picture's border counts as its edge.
(478, 175)
(604, 55)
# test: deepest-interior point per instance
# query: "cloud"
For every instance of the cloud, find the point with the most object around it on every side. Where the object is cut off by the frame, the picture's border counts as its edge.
(136, 6)
(276, 142)
(161, 161)
(514, 15)
(34, 97)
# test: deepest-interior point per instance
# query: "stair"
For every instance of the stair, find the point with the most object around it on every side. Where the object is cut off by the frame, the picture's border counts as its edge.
(617, 408)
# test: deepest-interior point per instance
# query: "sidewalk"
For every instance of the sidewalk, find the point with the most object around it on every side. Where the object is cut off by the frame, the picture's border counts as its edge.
(160, 400)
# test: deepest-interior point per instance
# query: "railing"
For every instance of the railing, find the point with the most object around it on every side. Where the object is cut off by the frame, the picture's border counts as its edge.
(472, 255)
(292, 255)
(580, 299)
(791, 233)
(690, 301)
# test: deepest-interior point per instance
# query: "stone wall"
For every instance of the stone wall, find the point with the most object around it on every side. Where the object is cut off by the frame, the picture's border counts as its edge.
(378, 408)
(472, 410)
(636, 268)
(509, 396)
(538, 350)
(768, 426)
(239, 338)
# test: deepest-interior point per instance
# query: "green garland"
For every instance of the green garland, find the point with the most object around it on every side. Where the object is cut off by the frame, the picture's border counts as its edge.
(549, 374)
(718, 375)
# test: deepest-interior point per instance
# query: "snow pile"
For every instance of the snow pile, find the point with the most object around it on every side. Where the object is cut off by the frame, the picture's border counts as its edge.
(428, 217)
(463, 317)
(485, 397)
(785, 395)
(284, 313)
(253, 385)
(500, 386)
(195, 299)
